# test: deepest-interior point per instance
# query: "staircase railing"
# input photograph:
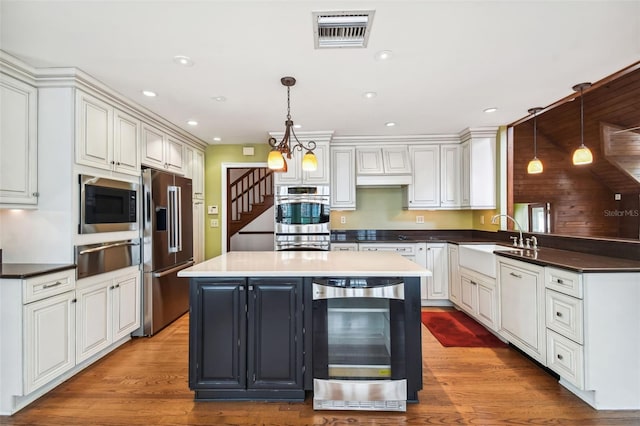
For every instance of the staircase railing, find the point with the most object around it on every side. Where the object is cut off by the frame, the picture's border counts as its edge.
(251, 188)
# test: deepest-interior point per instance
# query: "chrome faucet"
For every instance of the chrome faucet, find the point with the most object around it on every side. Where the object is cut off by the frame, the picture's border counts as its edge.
(494, 220)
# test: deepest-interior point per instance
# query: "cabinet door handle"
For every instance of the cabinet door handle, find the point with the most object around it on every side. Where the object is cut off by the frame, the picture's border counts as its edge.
(559, 281)
(559, 357)
(56, 284)
(513, 274)
(559, 314)
(473, 282)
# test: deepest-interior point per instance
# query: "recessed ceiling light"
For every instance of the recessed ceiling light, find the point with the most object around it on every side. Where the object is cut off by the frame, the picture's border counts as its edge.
(217, 139)
(149, 93)
(219, 98)
(192, 123)
(183, 60)
(383, 55)
(492, 109)
(370, 95)
(390, 124)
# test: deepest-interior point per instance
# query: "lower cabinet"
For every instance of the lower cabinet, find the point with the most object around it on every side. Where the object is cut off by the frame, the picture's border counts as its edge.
(454, 274)
(438, 282)
(49, 343)
(246, 338)
(107, 311)
(478, 297)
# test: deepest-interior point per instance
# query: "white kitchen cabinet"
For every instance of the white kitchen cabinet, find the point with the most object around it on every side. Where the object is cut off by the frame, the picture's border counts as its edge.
(591, 318)
(478, 169)
(194, 169)
(49, 339)
(478, 297)
(344, 246)
(383, 161)
(424, 191)
(522, 306)
(108, 310)
(198, 230)
(343, 178)
(38, 335)
(450, 176)
(106, 138)
(296, 176)
(454, 274)
(18, 143)
(160, 150)
(438, 282)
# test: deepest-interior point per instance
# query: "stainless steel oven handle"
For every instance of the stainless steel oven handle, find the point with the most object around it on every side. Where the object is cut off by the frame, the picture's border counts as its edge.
(320, 291)
(169, 271)
(108, 246)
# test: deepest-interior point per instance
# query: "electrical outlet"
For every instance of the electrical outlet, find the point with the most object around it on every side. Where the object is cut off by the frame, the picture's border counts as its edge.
(343, 219)
(419, 219)
(214, 223)
(482, 219)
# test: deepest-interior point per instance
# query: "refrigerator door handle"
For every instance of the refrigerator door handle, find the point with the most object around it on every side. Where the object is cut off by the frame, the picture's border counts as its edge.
(169, 271)
(175, 231)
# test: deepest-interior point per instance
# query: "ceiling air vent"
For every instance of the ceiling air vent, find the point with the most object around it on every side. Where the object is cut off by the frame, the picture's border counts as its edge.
(342, 29)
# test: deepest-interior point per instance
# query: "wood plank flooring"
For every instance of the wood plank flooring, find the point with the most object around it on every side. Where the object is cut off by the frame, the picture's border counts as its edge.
(145, 383)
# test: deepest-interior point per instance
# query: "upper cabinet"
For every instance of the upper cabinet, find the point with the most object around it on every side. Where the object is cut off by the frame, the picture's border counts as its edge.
(106, 137)
(161, 150)
(479, 168)
(424, 192)
(18, 143)
(343, 178)
(294, 174)
(377, 165)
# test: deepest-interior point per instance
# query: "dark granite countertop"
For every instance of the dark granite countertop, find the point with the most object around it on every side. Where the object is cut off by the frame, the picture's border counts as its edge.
(546, 256)
(573, 260)
(28, 270)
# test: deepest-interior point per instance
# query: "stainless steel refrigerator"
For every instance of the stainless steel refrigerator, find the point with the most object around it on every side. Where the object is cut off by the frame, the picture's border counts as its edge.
(167, 248)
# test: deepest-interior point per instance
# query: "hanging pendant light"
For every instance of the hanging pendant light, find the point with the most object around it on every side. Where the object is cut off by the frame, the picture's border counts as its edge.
(582, 155)
(535, 165)
(285, 148)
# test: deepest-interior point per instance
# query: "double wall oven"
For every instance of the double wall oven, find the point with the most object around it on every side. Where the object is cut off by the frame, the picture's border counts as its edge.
(302, 217)
(364, 338)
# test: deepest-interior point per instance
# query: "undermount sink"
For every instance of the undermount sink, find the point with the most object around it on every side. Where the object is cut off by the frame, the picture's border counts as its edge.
(480, 257)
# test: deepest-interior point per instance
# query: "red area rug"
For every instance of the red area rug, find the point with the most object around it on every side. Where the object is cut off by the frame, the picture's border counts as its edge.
(456, 329)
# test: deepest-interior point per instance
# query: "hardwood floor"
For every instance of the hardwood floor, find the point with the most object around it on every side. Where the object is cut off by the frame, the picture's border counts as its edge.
(145, 383)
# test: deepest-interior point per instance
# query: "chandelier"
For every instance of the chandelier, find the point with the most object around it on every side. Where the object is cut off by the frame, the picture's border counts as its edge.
(286, 147)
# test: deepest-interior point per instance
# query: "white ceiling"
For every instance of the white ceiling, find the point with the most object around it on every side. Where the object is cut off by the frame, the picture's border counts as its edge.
(451, 59)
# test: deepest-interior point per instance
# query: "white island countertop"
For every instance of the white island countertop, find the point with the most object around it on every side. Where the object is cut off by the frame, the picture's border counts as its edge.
(306, 264)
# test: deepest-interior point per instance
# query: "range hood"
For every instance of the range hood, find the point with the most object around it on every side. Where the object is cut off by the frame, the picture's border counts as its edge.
(383, 166)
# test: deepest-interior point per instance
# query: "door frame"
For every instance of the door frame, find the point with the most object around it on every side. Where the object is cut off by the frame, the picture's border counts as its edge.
(223, 197)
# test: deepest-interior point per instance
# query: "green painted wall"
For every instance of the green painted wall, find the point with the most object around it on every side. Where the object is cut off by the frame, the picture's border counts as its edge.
(215, 156)
(378, 208)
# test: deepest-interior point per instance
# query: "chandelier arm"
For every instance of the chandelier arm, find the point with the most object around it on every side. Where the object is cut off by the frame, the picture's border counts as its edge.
(273, 142)
(310, 146)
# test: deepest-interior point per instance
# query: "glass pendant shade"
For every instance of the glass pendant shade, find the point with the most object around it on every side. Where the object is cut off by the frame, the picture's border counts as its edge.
(582, 155)
(309, 162)
(275, 161)
(534, 166)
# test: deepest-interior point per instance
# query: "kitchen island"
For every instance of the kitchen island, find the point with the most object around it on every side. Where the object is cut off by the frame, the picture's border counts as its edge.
(253, 321)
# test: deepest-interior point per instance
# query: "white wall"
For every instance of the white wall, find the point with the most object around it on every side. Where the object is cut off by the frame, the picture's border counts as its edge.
(256, 242)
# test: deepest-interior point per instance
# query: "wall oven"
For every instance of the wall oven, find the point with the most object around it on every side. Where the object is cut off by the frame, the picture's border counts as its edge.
(359, 344)
(107, 205)
(302, 218)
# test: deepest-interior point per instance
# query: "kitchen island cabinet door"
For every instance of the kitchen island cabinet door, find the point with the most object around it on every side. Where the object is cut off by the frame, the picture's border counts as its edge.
(275, 333)
(218, 335)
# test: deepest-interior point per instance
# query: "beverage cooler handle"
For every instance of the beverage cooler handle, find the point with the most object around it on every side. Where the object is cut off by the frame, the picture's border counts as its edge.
(175, 219)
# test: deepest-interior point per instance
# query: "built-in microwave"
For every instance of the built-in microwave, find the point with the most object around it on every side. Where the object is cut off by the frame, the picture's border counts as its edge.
(107, 205)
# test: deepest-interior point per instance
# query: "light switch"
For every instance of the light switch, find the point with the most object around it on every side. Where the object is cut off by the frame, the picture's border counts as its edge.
(214, 223)
(212, 210)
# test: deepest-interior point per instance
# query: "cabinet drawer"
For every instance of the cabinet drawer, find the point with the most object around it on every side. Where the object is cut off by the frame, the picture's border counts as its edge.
(38, 288)
(564, 281)
(344, 246)
(403, 249)
(566, 358)
(564, 315)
